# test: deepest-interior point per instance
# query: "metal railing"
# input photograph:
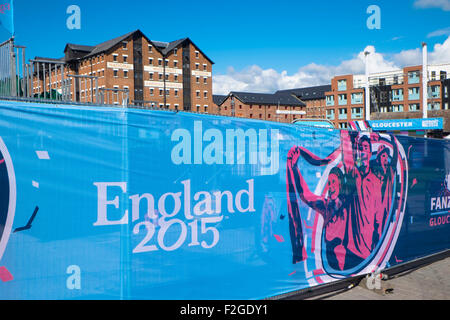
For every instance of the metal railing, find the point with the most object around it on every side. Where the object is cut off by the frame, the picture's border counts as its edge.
(51, 80)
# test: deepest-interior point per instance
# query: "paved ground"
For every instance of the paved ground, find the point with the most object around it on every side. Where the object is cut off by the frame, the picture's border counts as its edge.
(431, 282)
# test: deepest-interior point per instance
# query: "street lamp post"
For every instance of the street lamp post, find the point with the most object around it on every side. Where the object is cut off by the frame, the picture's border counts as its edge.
(367, 87)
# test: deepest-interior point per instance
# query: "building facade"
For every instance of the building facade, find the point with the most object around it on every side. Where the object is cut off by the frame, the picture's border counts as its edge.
(175, 75)
(345, 100)
(262, 106)
(399, 94)
(313, 97)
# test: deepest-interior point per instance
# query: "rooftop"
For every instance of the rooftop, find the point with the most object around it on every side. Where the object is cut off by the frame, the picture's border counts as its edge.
(268, 98)
(308, 93)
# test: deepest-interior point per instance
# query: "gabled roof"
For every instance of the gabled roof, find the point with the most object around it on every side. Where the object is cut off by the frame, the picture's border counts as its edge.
(268, 98)
(105, 46)
(163, 47)
(167, 47)
(218, 99)
(308, 93)
(79, 47)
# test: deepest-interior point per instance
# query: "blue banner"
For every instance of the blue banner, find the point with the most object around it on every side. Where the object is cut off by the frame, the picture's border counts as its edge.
(7, 15)
(113, 203)
(407, 124)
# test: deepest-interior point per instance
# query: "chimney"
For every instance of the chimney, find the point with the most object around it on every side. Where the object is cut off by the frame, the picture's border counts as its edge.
(424, 80)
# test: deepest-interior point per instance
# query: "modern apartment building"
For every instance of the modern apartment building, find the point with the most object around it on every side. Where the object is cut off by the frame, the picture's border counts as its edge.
(398, 94)
(393, 95)
(279, 107)
(345, 100)
(174, 75)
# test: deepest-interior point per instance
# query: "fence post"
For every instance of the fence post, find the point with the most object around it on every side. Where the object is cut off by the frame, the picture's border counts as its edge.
(13, 68)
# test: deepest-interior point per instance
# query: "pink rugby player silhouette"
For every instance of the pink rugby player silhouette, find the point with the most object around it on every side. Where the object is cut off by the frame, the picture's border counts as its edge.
(355, 202)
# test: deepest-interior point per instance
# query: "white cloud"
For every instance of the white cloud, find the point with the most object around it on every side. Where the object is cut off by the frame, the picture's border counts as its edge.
(256, 79)
(441, 4)
(440, 32)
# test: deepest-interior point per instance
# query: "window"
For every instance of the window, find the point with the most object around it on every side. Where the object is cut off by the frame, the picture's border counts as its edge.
(357, 98)
(342, 99)
(175, 63)
(413, 77)
(330, 114)
(356, 113)
(397, 108)
(160, 92)
(125, 73)
(150, 61)
(176, 106)
(159, 62)
(397, 95)
(205, 67)
(197, 93)
(115, 57)
(414, 107)
(198, 108)
(167, 92)
(166, 62)
(176, 92)
(342, 113)
(196, 54)
(125, 59)
(160, 76)
(116, 73)
(433, 75)
(206, 108)
(175, 51)
(152, 91)
(330, 100)
(175, 77)
(197, 79)
(205, 80)
(167, 77)
(151, 75)
(413, 93)
(205, 94)
(196, 66)
(434, 106)
(149, 48)
(124, 45)
(435, 92)
(342, 85)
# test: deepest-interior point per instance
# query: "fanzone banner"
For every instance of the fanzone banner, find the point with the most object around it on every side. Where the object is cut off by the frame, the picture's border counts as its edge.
(111, 203)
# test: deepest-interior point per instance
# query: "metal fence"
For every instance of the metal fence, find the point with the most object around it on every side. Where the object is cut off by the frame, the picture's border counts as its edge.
(50, 80)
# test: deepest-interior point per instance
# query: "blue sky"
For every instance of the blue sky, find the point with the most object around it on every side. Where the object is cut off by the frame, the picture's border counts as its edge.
(282, 36)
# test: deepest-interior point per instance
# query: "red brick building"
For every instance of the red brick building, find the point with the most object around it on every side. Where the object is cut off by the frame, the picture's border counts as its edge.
(174, 75)
(313, 97)
(262, 106)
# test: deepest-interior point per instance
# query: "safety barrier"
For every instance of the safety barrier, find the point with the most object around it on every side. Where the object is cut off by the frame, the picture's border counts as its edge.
(121, 203)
